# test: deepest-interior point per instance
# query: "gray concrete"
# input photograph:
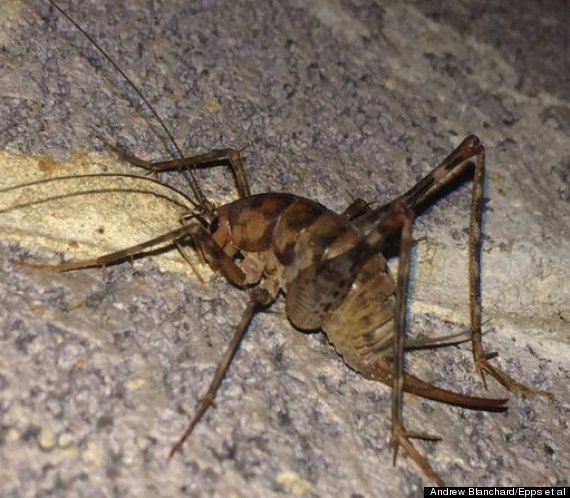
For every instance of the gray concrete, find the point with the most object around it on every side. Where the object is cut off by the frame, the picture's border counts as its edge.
(98, 373)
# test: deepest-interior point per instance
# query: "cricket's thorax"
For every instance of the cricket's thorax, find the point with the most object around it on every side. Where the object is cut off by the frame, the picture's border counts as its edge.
(283, 239)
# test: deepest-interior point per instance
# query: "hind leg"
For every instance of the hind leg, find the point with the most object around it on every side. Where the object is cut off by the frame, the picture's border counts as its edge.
(452, 166)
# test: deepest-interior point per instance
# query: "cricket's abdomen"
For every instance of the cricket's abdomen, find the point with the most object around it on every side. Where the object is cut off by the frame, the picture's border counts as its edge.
(361, 328)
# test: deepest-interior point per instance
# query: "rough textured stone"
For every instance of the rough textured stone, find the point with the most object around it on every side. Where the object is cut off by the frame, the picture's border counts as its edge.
(98, 372)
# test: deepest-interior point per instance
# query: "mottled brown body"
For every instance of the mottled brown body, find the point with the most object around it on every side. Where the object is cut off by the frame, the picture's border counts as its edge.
(281, 236)
(331, 269)
(332, 272)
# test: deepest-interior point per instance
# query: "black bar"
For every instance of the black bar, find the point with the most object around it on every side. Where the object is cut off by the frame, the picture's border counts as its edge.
(494, 491)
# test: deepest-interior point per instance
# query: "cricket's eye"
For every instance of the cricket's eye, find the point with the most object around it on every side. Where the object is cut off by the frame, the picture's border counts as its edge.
(215, 225)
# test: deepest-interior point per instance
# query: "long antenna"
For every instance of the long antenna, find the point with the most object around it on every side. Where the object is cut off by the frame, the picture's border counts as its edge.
(193, 183)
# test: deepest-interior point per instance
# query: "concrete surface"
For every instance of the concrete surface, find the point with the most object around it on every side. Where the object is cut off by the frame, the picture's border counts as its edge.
(99, 372)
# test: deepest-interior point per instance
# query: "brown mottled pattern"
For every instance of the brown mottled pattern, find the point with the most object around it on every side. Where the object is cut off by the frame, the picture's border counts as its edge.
(361, 327)
(298, 216)
(314, 287)
(252, 219)
(303, 234)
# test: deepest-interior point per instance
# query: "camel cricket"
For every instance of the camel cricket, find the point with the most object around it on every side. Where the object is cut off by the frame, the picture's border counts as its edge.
(331, 271)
